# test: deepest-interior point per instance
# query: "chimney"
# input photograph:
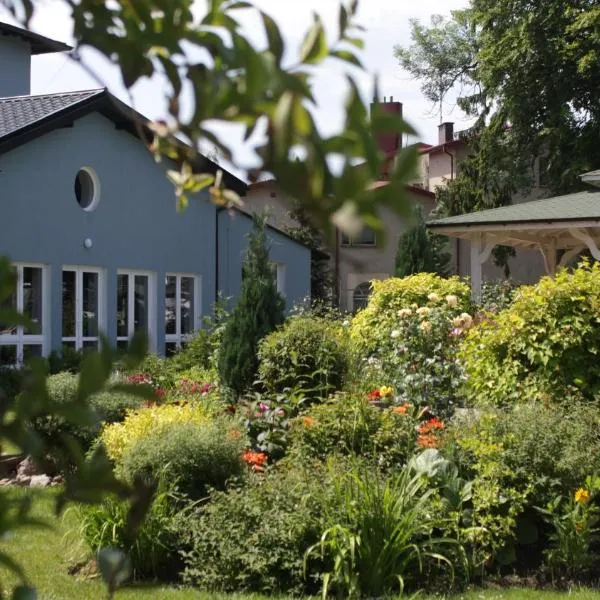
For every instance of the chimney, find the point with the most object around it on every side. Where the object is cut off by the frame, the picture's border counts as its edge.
(445, 132)
(389, 143)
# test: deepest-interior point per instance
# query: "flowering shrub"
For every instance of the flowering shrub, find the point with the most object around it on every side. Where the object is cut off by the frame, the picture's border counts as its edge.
(419, 358)
(372, 326)
(255, 460)
(267, 424)
(119, 437)
(544, 346)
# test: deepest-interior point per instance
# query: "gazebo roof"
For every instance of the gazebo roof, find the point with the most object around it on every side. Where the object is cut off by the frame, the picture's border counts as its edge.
(581, 207)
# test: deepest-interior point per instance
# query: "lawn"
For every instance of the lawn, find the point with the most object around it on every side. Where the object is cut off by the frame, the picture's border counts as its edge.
(47, 554)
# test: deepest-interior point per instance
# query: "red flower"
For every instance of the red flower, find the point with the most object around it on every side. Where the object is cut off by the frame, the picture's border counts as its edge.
(430, 425)
(160, 393)
(374, 395)
(256, 460)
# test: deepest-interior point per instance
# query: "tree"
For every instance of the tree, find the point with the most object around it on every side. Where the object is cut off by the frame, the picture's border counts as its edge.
(258, 311)
(420, 251)
(321, 277)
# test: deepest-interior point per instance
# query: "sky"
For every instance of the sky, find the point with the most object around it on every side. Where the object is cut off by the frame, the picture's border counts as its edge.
(386, 22)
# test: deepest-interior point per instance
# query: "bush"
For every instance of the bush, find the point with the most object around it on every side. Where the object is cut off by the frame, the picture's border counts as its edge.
(119, 437)
(545, 346)
(419, 358)
(307, 354)
(196, 352)
(373, 325)
(11, 381)
(193, 456)
(350, 426)
(253, 538)
(161, 373)
(518, 458)
(154, 550)
(497, 295)
(109, 406)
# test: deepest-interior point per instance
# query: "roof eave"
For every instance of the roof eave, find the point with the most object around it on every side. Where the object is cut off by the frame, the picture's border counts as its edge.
(465, 228)
(39, 43)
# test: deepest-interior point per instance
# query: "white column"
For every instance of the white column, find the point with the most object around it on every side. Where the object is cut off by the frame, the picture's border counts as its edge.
(476, 243)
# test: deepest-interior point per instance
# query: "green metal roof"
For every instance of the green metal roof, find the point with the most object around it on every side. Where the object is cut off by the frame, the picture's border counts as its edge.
(581, 206)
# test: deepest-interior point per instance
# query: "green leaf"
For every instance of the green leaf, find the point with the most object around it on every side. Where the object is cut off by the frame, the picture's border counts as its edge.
(314, 48)
(114, 566)
(347, 56)
(343, 20)
(136, 351)
(94, 374)
(23, 592)
(275, 41)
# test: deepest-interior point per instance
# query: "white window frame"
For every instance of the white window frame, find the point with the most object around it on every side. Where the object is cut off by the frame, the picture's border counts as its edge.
(79, 338)
(178, 338)
(131, 274)
(19, 339)
(280, 278)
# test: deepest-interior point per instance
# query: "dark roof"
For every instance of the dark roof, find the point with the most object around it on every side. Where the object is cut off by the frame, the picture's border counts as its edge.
(440, 147)
(24, 118)
(18, 112)
(39, 44)
(581, 206)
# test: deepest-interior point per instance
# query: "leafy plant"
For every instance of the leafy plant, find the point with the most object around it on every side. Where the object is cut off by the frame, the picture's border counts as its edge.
(258, 311)
(307, 355)
(154, 551)
(383, 534)
(542, 347)
(372, 327)
(194, 456)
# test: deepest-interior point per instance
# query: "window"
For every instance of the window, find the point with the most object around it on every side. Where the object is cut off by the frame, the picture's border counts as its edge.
(135, 306)
(81, 307)
(18, 343)
(87, 189)
(360, 296)
(365, 238)
(279, 274)
(181, 310)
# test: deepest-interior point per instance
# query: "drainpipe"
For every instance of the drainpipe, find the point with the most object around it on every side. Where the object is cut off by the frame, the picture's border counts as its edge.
(217, 257)
(445, 151)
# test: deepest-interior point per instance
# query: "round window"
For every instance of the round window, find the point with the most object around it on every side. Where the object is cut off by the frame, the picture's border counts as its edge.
(87, 188)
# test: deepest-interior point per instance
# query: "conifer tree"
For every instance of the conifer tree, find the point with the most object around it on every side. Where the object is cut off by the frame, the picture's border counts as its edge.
(258, 311)
(420, 251)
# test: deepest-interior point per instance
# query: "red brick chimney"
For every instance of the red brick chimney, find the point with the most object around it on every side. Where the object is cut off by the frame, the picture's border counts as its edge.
(389, 143)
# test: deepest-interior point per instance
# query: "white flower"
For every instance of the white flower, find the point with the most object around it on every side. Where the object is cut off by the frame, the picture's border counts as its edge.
(423, 311)
(395, 334)
(346, 323)
(452, 300)
(433, 297)
(425, 326)
(467, 319)
(404, 312)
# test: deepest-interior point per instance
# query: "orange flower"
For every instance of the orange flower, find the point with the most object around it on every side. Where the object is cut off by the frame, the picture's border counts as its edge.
(308, 421)
(430, 425)
(234, 434)
(427, 441)
(255, 459)
(401, 410)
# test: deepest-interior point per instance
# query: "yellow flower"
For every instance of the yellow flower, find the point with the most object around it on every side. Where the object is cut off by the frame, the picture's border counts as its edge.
(582, 496)
(467, 320)
(423, 311)
(385, 390)
(452, 300)
(433, 297)
(425, 326)
(457, 322)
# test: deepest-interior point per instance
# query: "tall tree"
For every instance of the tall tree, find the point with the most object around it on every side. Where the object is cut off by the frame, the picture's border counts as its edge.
(258, 311)
(420, 251)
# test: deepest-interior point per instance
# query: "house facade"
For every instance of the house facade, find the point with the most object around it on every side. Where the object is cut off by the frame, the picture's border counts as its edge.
(354, 261)
(439, 164)
(90, 222)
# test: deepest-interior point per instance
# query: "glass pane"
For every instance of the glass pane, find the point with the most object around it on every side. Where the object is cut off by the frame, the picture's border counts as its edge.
(31, 351)
(170, 304)
(92, 345)
(32, 297)
(122, 305)
(90, 304)
(170, 348)
(68, 304)
(187, 305)
(367, 237)
(70, 345)
(9, 303)
(8, 355)
(140, 312)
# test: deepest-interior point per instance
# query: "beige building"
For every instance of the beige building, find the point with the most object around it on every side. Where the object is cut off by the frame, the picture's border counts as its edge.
(438, 165)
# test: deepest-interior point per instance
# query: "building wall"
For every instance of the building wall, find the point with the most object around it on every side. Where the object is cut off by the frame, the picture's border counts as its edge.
(135, 225)
(15, 67)
(292, 258)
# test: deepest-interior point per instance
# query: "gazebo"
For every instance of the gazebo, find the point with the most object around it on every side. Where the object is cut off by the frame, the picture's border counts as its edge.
(563, 224)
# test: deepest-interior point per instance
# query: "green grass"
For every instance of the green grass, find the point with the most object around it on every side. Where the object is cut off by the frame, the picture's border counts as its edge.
(46, 555)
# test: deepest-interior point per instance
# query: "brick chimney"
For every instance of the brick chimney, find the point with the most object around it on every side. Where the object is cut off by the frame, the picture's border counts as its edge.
(445, 133)
(389, 143)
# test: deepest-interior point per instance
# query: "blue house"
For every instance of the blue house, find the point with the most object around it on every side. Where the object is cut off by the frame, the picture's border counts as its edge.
(90, 222)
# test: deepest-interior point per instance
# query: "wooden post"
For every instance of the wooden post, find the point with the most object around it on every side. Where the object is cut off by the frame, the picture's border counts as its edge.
(476, 243)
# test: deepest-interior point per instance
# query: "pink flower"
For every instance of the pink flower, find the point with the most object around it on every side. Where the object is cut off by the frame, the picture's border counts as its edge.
(263, 408)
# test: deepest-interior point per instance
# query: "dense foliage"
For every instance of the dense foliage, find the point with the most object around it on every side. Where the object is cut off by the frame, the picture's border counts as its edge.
(306, 354)
(542, 347)
(373, 326)
(259, 309)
